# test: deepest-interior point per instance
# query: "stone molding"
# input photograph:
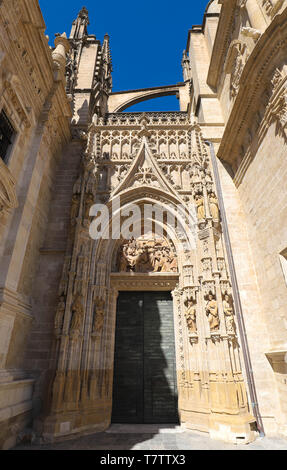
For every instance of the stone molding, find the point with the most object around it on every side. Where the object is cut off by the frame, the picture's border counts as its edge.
(139, 282)
(263, 60)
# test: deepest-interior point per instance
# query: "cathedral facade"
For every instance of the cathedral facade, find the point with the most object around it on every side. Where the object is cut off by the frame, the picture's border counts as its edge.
(144, 255)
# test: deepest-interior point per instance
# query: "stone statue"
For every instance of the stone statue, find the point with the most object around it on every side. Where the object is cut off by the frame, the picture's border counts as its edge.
(77, 314)
(190, 315)
(123, 262)
(75, 206)
(199, 201)
(89, 201)
(99, 315)
(213, 204)
(59, 317)
(229, 314)
(212, 313)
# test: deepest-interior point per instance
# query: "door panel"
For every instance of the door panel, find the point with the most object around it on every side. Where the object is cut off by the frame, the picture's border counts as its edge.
(128, 377)
(145, 371)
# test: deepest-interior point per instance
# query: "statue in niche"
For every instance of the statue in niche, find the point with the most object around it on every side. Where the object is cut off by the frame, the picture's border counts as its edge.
(229, 314)
(99, 315)
(199, 201)
(59, 317)
(208, 176)
(213, 204)
(75, 207)
(89, 201)
(212, 313)
(77, 314)
(190, 315)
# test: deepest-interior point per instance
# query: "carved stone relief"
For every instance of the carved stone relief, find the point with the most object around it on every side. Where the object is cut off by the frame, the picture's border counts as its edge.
(190, 314)
(77, 315)
(147, 255)
(212, 313)
(229, 314)
(99, 316)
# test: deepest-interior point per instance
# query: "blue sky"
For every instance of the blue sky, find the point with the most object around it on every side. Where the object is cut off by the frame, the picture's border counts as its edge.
(147, 39)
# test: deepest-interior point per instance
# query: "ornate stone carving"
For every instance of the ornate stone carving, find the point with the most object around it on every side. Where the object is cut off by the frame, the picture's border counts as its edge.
(89, 201)
(235, 62)
(147, 255)
(251, 32)
(59, 317)
(229, 314)
(145, 176)
(75, 207)
(212, 313)
(77, 315)
(279, 110)
(186, 67)
(8, 198)
(199, 202)
(190, 314)
(277, 77)
(99, 316)
(213, 205)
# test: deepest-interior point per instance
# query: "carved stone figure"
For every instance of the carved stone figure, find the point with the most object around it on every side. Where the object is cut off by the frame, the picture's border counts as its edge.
(89, 201)
(190, 315)
(77, 314)
(59, 317)
(240, 56)
(213, 204)
(169, 261)
(199, 201)
(212, 313)
(145, 256)
(99, 315)
(229, 314)
(75, 207)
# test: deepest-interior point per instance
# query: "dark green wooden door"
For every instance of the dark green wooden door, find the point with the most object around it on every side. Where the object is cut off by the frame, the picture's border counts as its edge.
(144, 388)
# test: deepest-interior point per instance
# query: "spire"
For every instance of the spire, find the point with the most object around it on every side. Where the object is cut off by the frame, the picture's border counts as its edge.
(79, 28)
(107, 51)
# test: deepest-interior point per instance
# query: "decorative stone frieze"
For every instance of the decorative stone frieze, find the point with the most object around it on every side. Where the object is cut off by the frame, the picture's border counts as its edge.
(8, 197)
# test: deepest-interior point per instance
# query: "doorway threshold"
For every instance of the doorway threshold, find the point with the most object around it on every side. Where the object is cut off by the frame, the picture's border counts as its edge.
(145, 429)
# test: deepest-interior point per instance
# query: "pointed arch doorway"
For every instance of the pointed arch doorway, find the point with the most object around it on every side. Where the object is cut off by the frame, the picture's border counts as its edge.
(145, 383)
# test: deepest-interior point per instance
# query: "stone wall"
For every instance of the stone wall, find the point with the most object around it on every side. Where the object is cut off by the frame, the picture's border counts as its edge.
(32, 91)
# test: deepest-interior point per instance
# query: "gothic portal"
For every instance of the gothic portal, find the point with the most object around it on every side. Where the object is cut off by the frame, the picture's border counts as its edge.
(156, 160)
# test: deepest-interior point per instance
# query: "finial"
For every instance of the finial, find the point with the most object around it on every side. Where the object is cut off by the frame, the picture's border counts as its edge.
(79, 27)
(84, 13)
